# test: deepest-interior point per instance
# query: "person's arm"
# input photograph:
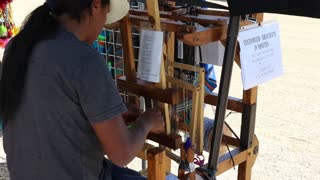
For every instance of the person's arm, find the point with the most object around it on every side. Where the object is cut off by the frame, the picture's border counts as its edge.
(121, 144)
(104, 108)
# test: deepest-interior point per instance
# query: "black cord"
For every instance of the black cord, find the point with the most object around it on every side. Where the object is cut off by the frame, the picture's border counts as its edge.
(233, 163)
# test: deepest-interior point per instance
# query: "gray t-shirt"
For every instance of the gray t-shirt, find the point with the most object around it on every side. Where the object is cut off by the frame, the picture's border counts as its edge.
(67, 88)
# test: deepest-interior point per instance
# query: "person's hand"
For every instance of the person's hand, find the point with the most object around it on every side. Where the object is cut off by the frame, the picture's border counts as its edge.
(154, 119)
(132, 114)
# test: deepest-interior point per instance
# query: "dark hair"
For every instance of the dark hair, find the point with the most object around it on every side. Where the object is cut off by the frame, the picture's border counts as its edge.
(38, 26)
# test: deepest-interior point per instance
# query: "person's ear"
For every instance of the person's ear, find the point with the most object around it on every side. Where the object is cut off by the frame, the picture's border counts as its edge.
(96, 6)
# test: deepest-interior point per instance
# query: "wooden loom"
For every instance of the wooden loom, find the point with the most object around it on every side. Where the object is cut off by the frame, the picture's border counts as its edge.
(245, 149)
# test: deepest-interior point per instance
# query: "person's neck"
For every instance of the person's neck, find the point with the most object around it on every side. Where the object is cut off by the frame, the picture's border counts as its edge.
(73, 26)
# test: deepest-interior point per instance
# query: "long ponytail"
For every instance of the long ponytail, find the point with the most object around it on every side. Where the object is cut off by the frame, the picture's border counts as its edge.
(37, 27)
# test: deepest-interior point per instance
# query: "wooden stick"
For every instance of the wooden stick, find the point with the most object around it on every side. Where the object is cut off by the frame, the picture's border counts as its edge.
(154, 17)
(234, 104)
(182, 83)
(128, 56)
(200, 122)
(195, 117)
(170, 51)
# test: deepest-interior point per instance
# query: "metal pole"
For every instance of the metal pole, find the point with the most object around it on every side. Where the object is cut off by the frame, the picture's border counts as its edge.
(229, 54)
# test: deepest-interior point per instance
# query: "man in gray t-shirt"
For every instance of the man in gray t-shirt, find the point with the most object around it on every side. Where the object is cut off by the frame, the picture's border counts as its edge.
(67, 88)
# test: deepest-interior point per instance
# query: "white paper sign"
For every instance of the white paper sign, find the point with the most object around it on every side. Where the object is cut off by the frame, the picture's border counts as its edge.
(260, 54)
(150, 55)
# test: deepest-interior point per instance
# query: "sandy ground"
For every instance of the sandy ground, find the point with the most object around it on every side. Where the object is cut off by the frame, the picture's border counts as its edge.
(288, 107)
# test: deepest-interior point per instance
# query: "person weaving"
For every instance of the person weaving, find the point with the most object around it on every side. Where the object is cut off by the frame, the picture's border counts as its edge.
(62, 112)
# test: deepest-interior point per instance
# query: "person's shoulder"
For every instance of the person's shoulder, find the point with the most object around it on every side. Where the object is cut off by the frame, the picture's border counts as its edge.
(67, 48)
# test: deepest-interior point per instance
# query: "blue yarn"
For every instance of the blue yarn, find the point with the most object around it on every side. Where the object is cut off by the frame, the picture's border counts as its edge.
(187, 144)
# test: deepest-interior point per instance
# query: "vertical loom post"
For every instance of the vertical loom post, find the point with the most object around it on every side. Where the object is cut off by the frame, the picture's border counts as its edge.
(248, 125)
(200, 123)
(170, 57)
(194, 116)
(247, 131)
(183, 155)
(156, 164)
(190, 159)
(128, 55)
(154, 17)
(170, 51)
(233, 31)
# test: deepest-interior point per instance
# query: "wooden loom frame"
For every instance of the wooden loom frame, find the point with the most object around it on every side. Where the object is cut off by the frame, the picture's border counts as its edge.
(246, 149)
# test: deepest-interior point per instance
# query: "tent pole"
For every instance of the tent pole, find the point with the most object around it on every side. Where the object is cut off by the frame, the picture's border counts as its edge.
(229, 55)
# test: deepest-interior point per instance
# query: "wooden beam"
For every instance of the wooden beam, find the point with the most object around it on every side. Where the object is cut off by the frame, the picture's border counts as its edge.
(145, 89)
(182, 83)
(170, 41)
(166, 25)
(239, 156)
(231, 141)
(156, 164)
(201, 18)
(208, 11)
(143, 153)
(213, 12)
(172, 141)
(247, 137)
(186, 67)
(128, 56)
(170, 47)
(207, 35)
(190, 159)
(204, 36)
(234, 104)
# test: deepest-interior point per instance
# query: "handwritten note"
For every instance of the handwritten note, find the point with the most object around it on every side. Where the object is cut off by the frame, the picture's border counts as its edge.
(150, 55)
(260, 54)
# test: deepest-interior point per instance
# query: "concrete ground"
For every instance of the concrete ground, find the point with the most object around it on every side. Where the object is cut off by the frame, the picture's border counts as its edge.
(288, 115)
